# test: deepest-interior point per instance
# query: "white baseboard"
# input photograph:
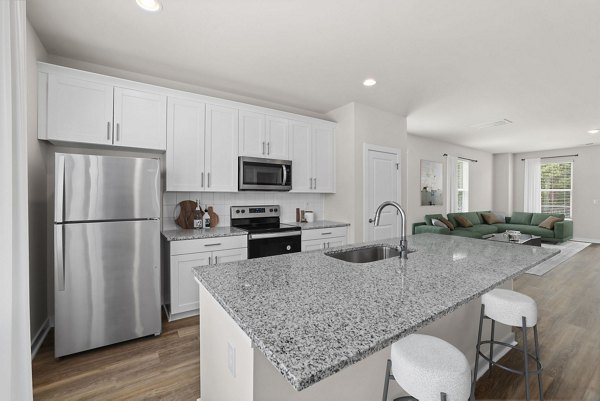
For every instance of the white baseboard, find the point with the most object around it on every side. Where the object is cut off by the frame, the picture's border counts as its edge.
(484, 365)
(40, 336)
(592, 240)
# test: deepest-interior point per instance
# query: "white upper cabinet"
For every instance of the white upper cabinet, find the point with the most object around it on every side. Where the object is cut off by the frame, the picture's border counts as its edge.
(140, 119)
(277, 138)
(312, 149)
(80, 107)
(221, 149)
(301, 155)
(202, 144)
(263, 136)
(323, 159)
(185, 145)
(79, 110)
(252, 134)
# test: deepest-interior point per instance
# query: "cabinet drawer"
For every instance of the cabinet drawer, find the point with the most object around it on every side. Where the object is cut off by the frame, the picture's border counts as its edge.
(208, 245)
(324, 233)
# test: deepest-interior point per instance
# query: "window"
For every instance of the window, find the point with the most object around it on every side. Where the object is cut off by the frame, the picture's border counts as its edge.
(462, 186)
(557, 188)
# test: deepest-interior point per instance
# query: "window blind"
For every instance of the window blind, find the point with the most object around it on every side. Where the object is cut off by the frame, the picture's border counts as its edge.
(557, 188)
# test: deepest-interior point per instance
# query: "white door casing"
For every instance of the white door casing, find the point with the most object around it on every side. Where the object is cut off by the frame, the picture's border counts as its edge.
(381, 183)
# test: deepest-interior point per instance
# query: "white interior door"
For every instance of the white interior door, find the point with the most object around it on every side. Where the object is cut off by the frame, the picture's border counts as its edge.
(382, 181)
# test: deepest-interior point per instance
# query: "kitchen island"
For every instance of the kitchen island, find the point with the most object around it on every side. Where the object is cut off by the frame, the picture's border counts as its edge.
(307, 326)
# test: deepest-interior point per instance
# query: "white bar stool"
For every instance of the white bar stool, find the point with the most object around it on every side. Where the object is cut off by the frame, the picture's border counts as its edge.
(428, 368)
(513, 309)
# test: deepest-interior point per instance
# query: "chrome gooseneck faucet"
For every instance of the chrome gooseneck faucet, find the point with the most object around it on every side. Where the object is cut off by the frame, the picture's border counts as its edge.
(403, 242)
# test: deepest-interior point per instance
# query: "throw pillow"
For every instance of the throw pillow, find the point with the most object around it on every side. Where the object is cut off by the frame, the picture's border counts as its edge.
(463, 221)
(438, 223)
(447, 223)
(501, 216)
(549, 222)
(491, 218)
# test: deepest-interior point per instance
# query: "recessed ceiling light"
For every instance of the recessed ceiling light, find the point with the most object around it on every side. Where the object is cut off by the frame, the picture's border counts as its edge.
(594, 131)
(491, 124)
(149, 5)
(369, 82)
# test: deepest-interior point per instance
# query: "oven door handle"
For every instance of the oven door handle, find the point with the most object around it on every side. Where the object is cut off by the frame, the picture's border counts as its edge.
(274, 235)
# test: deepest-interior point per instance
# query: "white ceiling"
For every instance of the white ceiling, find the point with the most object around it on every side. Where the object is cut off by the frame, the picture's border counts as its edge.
(446, 65)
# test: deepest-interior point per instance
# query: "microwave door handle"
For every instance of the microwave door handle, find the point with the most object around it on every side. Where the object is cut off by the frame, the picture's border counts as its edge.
(284, 175)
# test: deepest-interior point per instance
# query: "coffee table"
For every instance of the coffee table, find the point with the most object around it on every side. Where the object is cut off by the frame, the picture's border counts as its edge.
(525, 239)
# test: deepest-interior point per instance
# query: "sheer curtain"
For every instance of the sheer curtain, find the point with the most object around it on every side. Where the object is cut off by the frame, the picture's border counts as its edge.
(451, 187)
(532, 189)
(15, 343)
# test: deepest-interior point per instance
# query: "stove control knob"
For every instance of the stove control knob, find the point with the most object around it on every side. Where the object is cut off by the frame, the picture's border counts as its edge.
(243, 211)
(275, 210)
(237, 211)
(270, 210)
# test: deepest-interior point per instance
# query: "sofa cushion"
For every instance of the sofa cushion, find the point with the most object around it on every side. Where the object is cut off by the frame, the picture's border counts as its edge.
(463, 221)
(438, 223)
(483, 229)
(549, 222)
(491, 218)
(428, 218)
(521, 218)
(466, 233)
(537, 218)
(447, 223)
(526, 229)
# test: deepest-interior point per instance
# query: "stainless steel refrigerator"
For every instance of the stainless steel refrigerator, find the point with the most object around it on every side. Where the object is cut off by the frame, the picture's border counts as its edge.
(106, 250)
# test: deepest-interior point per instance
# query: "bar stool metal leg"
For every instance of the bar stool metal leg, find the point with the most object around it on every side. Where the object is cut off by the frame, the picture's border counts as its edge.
(538, 363)
(525, 359)
(491, 348)
(443, 396)
(477, 353)
(386, 383)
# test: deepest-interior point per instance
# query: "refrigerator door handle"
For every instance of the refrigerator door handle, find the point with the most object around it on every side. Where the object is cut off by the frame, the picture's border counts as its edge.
(59, 188)
(59, 258)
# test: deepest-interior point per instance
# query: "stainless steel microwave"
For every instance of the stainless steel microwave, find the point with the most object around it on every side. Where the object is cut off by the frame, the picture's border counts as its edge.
(258, 174)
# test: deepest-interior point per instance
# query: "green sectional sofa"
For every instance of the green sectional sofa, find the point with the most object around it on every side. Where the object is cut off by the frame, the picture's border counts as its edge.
(526, 223)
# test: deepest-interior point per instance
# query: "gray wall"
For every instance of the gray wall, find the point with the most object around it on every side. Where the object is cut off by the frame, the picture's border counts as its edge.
(37, 199)
(586, 190)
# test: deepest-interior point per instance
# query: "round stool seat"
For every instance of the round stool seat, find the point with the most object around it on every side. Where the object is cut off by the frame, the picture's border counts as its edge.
(425, 366)
(509, 307)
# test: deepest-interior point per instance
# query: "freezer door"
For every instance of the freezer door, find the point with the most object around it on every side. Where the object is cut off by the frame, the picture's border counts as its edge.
(106, 283)
(96, 188)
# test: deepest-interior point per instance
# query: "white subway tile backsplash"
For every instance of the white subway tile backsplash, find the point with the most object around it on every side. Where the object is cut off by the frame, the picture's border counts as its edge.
(222, 201)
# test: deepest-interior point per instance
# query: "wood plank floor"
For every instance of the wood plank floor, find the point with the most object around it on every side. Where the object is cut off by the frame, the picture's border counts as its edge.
(167, 367)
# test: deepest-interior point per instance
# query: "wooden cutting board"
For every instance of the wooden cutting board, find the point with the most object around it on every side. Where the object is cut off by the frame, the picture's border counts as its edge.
(214, 218)
(185, 219)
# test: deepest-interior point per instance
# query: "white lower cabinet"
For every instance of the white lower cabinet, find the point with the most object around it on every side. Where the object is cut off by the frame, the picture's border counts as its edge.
(313, 240)
(180, 288)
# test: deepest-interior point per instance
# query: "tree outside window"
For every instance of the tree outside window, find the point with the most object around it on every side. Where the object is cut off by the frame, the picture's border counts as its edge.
(462, 185)
(557, 188)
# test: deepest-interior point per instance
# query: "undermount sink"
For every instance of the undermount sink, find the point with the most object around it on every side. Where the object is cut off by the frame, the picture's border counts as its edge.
(367, 254)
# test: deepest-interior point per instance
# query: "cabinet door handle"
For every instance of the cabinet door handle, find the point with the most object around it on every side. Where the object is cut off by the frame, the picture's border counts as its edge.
(268, 148)
(263, 152)
(108, 131)
(315, 186)
(215, 244)
(202, 178)
(209, 258)
(216, 260)
(118, 131)
(329, 233)
(208, 179)
(310, 182)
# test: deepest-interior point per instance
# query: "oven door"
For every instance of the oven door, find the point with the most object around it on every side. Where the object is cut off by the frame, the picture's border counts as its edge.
(257, 174)
(271, 244)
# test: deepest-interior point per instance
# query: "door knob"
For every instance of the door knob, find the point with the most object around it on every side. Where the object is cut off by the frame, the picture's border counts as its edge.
(371, 220)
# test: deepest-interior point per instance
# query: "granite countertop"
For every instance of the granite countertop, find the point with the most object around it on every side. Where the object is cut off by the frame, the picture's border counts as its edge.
(312, 315)
(318, 224)
(183, 234)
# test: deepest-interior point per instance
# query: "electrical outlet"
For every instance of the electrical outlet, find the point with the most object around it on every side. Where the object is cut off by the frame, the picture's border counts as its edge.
(231, 359)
